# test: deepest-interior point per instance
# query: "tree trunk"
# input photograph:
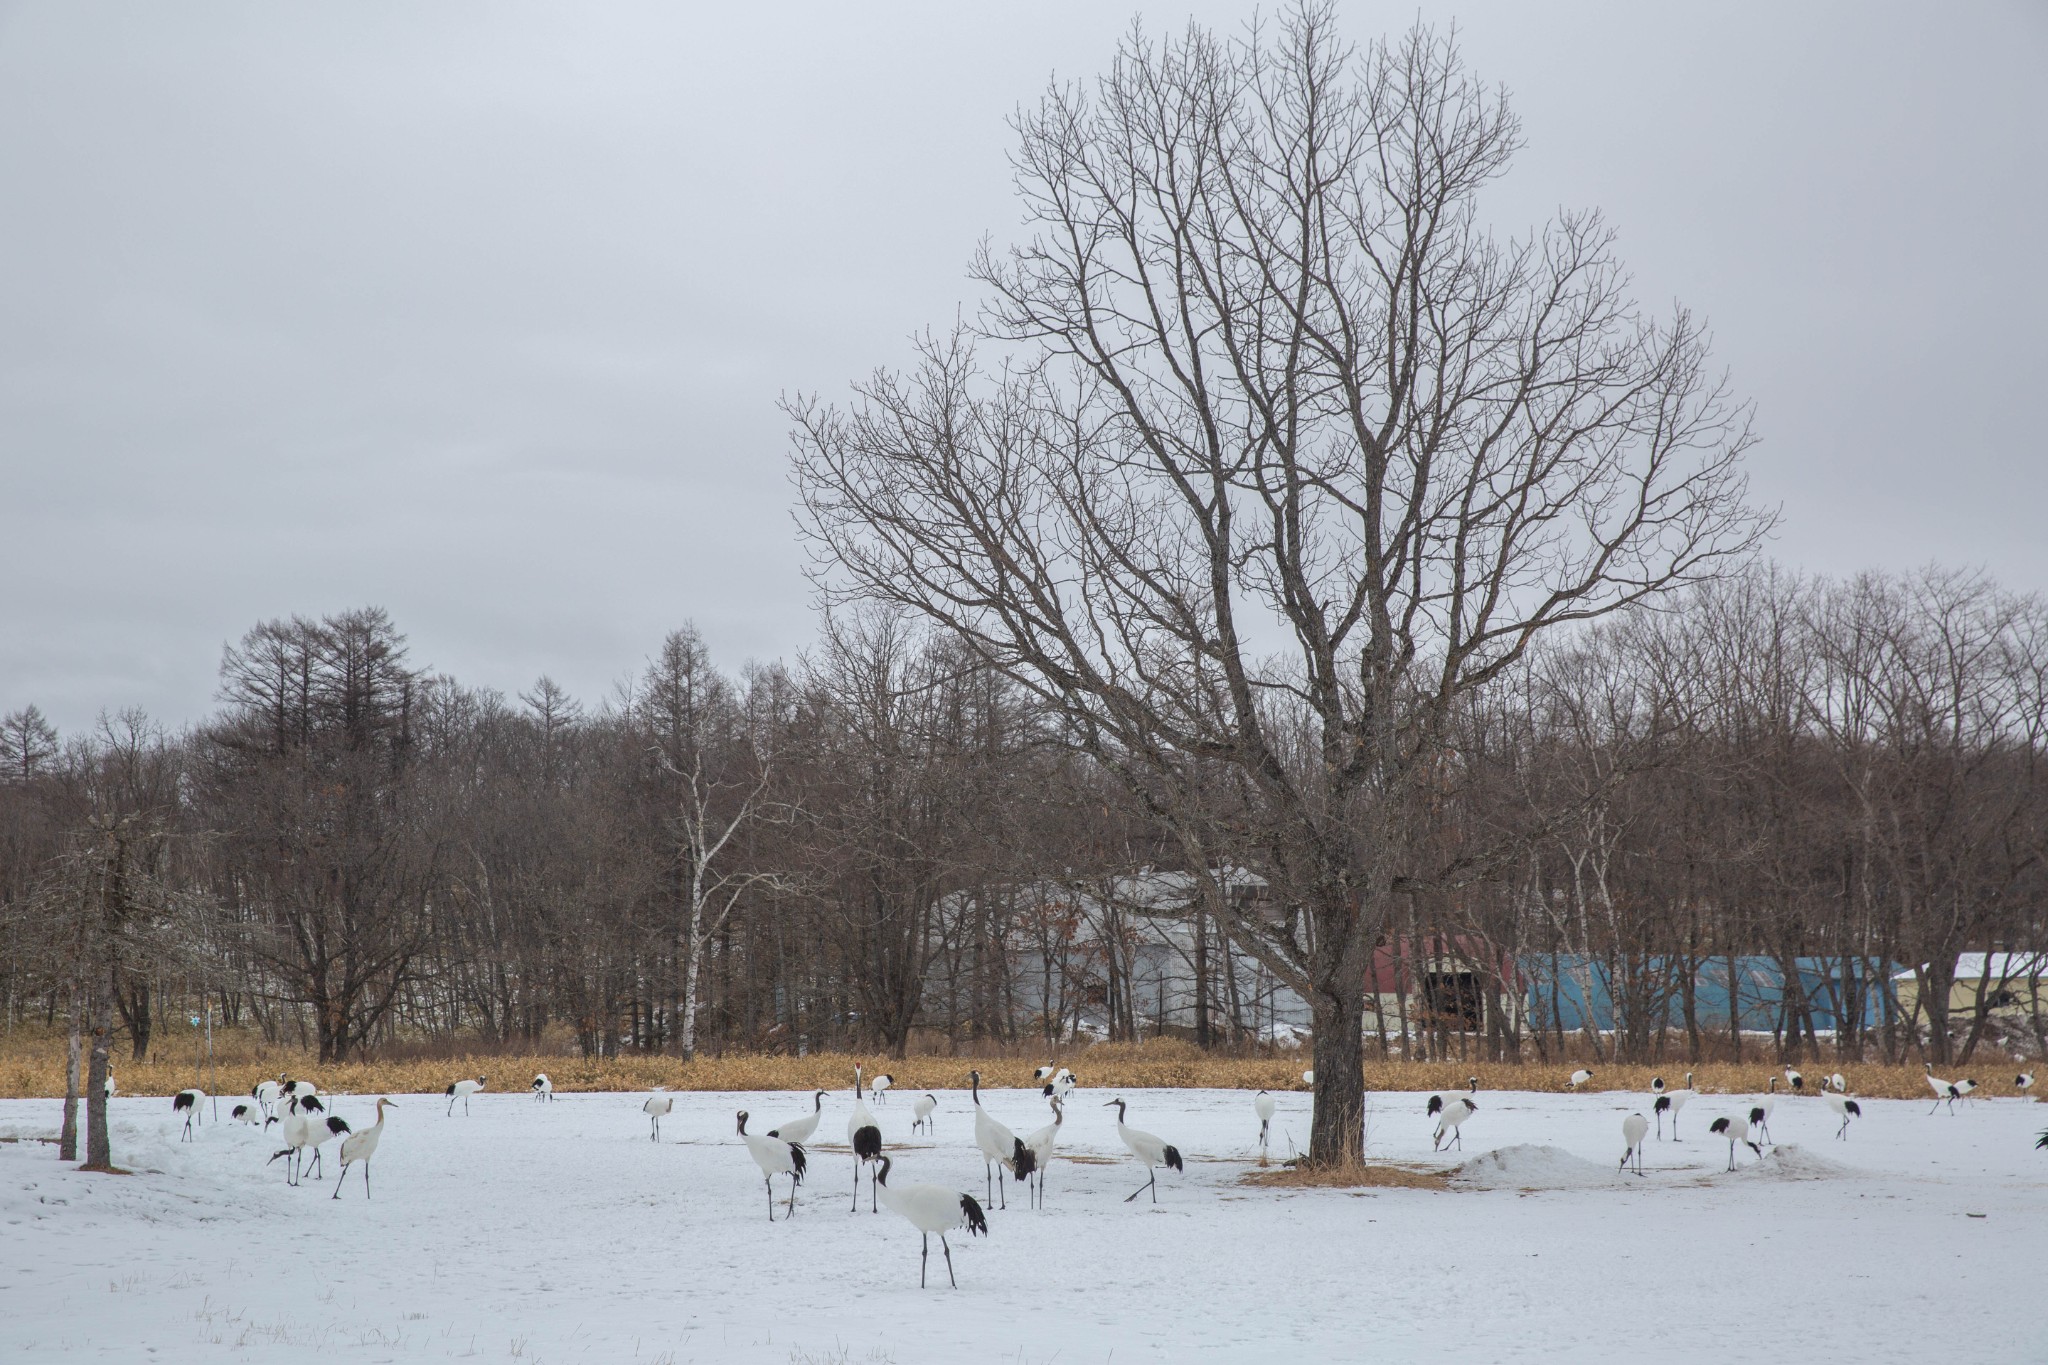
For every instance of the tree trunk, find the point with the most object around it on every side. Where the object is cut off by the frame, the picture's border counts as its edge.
(67, 1142)
(98, 1152)
(1337, 1133)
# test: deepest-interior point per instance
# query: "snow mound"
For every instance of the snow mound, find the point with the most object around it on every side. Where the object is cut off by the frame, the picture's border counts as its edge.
(1529, 1167)
(27, 1132)
(1792, 1162)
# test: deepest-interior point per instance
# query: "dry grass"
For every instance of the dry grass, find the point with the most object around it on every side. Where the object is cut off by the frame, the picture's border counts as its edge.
(1369, 1175)
(32, 1064)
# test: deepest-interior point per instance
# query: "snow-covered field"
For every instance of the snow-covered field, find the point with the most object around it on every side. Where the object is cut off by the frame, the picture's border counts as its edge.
(561, 1233)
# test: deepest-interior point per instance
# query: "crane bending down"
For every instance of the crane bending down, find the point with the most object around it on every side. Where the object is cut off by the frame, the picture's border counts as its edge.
(1151, 1150)
(921, 1110)
(1671, 1102)
(361, 1147)
(1451, 1120)
(1735, 1130)
(999, 1147)
(930, 1209)
(1944, 1091)
(775, 1156)
(543, 1088)
(1634, 1129)
(187, 1102)
(864, 1135)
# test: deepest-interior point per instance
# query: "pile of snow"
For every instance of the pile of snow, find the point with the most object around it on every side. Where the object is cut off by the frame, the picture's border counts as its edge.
(1529, 1167)
(1792, 1162)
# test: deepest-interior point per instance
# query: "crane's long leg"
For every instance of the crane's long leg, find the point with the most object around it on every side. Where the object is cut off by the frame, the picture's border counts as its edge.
(792, 1194)
(856, 1186)
(366, 1177)
(947, 1248)
(337, 1181)
(924, 1258)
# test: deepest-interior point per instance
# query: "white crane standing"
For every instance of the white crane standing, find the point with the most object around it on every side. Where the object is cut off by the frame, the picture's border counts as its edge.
(800, 1130)
(361, 1147)
(265, 1093)
(1151, 1150)
(543, 1088)
(999, 1146)
(1944, 1091)
(930, 1209)
(2023, 1082)
(462, 1090)
(864, 1135)
(1845, 1109)
(921, 1111)
(775, 1156)
(1672, 1102)
(879, 1087)
(658, 1104)
(1040, 1144)
(1263, 1106)
(1795, 1080)
(1634, 1129)
(187, 1102)
(1760, 1113)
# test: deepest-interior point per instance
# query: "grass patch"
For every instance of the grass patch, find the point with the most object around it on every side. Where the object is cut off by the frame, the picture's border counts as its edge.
(1365, 1175)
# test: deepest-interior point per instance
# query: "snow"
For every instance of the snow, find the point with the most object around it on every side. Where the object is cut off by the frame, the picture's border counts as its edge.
(559, 1233)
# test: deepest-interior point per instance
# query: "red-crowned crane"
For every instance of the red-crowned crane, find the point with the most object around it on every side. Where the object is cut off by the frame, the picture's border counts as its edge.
(1451, 1119)
(1151, 1150)
(2023, 1082)
(1838, 1083)
(1735, 1130)
(800, 1130)
(1579, 1078)
(246, 1113)
(775, 1157)
(1760, 1112)
(1436, 1101)
(1263, 1106)
(999, 1146)
(1795, 1080)
(187, 1102)
(266, 1093)
(361, 1147)
(879, 1087)
(921, 1111)
(1672, 1101)
(1845, 1109)
(658, 1104)
(864, 1135)
(109, 1088)
(306, 1126)
(462, 1090)
(930, 1209)
(1634, 1129)
(1040, 1144)
(543, 1089)
(1944, 1091)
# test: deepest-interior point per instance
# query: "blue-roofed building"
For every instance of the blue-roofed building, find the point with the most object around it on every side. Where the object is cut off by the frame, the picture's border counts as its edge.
(1566, 989)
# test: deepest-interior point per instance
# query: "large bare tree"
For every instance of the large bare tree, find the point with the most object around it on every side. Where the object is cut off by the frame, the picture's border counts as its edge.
(1264, 454)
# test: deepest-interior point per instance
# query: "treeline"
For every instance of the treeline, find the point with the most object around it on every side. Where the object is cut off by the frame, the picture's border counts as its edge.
(852, 851)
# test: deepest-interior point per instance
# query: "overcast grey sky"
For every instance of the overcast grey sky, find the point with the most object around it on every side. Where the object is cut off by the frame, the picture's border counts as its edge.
(480, 312)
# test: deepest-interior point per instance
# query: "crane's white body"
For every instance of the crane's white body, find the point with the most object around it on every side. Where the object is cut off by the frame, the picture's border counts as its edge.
(921, 1111)
(2023, 1082)
(1795, 1080)
(543, 1088)
(266, 1093)
(800, 1130)
(1673, 1101)
(1838, 1083)
(187, 1102)
(930, 1209)
(246, 1113)
(1262, 1105)
(462, 1090)
(658, 1104)
(1634, 1129)
(1579, 1078)
(879, 1087)
(775, 1156)
(304, 1126)
(1149, 1148)
(1845, 1109)
(864, 1135)
(1735, 1127)
(1452, 1121)
(1040, 1144)
(1760, 1112)
(999, 1146)
(361, 1147)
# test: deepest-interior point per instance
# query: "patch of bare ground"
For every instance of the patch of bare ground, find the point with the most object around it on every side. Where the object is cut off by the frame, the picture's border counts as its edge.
(1366, 1175)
